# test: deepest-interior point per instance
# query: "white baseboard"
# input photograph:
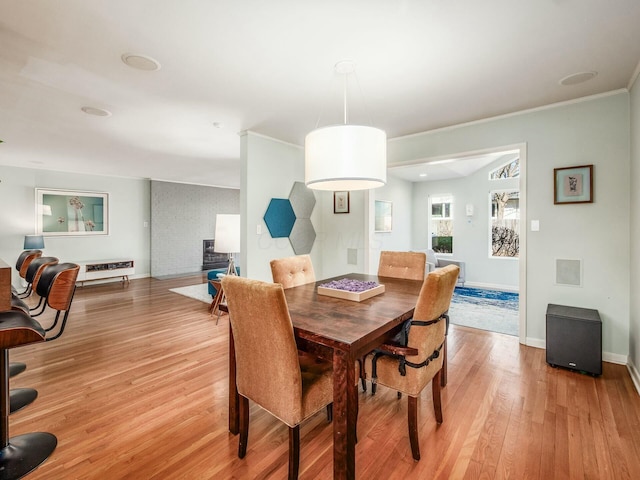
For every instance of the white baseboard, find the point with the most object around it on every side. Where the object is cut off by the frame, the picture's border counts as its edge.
(615, 358)
(606, 356)
(536, 342)
(635, 376)
(492, 286)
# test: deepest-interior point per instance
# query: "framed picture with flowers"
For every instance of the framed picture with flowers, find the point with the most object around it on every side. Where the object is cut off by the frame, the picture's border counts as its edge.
(71, 213)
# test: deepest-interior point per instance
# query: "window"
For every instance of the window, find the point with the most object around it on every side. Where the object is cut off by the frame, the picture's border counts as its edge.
(508, 170)
(441, 223)
(505, 223)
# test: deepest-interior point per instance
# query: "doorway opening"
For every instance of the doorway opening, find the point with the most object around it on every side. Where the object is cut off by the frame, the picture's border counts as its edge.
(475, 203)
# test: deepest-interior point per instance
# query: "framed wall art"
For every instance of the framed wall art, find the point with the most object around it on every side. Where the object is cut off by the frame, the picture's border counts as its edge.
(340, 202)
(573, 184)
(383, 216)
(71, 213)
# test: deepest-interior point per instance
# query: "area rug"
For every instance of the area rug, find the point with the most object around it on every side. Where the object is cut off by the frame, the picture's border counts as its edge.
(198, 292)
(492, 310)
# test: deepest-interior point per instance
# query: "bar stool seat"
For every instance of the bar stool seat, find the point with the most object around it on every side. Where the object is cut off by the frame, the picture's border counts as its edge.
(23, 453)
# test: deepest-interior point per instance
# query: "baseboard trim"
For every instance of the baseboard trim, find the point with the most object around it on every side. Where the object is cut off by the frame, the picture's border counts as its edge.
(536, 342)
(635, 376)
(615, 358)
(606, 356)
(492, 286)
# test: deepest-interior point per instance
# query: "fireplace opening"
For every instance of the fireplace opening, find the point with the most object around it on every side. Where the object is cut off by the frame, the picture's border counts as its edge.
(212, 259)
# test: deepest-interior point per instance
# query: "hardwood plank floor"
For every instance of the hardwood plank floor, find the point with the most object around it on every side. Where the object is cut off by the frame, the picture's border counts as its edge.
(136, 388)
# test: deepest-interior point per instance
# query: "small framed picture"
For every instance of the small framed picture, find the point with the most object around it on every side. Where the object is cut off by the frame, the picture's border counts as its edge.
(573, 184)
(340, 202)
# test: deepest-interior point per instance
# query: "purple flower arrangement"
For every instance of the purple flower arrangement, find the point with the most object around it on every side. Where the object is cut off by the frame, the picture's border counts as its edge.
(350, 285)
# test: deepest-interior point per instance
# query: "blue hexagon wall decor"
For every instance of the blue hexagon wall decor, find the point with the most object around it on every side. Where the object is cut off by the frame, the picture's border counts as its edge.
(279, 217)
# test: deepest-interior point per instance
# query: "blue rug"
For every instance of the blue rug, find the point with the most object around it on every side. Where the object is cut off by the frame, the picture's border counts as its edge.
(492, 310)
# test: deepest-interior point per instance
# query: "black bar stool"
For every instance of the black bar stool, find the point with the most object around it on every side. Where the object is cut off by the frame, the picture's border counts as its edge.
(24, 259)
(34, 270)
(57, 285)
(21, 454)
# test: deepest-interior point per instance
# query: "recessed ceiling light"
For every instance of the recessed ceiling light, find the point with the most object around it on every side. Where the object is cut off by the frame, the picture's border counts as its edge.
(141, 62)
(218, 125)
(99, 112)
(576, 78)
(423, 174)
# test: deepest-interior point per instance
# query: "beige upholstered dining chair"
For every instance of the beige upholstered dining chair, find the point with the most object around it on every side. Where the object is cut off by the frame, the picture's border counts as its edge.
(409, 369)
(409, 265)
(270, 371)
(293, 271)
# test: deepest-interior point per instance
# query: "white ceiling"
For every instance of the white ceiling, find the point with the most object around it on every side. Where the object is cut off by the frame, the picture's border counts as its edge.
(268, 67)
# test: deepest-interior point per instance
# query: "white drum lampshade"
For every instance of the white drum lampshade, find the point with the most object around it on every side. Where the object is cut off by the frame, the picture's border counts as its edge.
(345, 157)
(227, 235)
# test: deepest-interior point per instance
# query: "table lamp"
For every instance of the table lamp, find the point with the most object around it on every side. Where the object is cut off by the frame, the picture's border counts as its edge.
(227, 237)
(33, 242)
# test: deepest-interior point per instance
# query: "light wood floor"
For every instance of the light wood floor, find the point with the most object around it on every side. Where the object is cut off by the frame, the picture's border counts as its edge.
(136, 388)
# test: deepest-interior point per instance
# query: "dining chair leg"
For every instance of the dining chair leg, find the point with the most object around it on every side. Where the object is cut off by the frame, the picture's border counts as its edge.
(363, 378)
(294, 452)
(412, 414)
(244, 426)
(443, 376)
(437, 402)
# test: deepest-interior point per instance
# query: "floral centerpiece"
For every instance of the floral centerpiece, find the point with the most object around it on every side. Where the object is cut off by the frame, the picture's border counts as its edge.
(350, 289)
(350, 285)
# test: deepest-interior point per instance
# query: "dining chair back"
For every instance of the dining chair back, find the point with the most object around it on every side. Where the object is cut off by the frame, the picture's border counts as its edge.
(270, 370)
(409, 369)
(409, 265)
(293, 271)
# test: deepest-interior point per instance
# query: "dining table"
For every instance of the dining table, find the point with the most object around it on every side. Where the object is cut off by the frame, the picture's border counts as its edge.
(342, 331)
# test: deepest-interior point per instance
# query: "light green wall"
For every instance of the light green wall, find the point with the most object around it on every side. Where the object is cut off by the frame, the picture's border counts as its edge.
(594, 131)
(128, 211)
(269, 169)
(399, 192)
(471, 242)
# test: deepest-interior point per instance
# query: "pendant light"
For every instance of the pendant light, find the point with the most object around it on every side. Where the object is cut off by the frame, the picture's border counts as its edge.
(345, 157)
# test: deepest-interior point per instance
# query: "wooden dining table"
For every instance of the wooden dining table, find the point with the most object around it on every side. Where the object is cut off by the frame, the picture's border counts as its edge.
(341, 331)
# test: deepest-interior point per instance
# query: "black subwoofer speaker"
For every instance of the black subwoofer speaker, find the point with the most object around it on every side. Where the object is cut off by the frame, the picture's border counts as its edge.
(574, 338)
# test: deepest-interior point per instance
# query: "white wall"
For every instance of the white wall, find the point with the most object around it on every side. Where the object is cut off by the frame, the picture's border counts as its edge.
(471, 242)
(128, 210)
(593, 131)
(269, 169)
(341, 232)
(634, 325)
(399, 192)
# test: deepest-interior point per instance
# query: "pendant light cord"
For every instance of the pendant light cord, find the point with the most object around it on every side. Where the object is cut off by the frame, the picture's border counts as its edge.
(346, 110)
(345, 100)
